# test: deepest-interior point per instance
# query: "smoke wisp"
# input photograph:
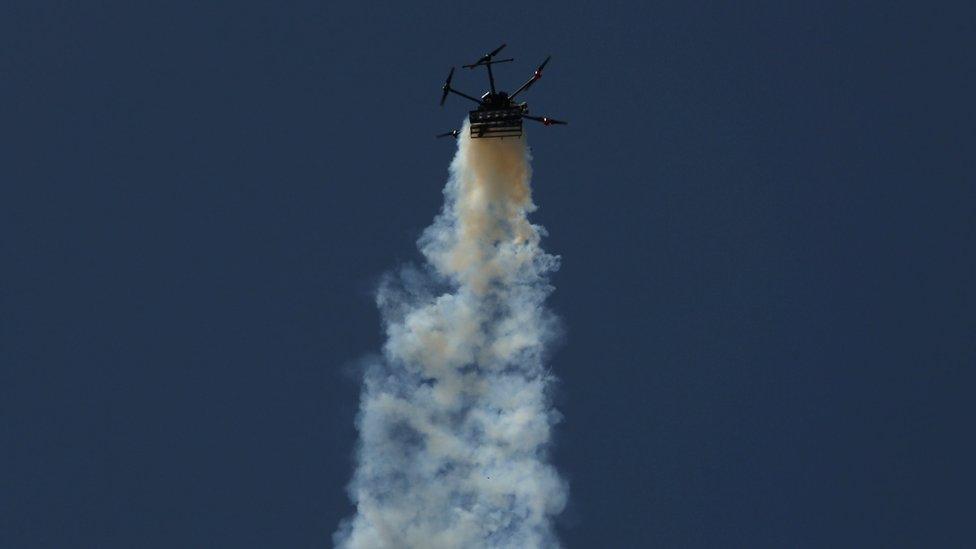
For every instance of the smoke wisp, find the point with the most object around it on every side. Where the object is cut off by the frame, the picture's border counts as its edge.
(455, 418)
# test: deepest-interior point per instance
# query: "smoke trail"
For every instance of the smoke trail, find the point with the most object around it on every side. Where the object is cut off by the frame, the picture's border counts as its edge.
(455, 419)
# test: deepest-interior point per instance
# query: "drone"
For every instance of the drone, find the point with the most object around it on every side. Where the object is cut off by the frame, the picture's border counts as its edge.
(498, 114)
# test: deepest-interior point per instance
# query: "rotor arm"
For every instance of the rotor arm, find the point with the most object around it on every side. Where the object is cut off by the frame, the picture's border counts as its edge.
(448, 89)
(466, 96)
(491, 77)
(523, 87)
(535, 76)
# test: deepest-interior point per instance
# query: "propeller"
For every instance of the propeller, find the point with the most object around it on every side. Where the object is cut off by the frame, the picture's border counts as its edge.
(495, 51)
(483, 62)
(486, 59)
(538, 72)
(545, 120)
(447, 86)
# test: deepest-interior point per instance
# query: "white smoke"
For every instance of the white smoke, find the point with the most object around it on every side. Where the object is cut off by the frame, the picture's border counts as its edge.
(455, 419)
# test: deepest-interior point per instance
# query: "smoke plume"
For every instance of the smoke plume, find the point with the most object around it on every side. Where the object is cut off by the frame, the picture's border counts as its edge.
(455, 418)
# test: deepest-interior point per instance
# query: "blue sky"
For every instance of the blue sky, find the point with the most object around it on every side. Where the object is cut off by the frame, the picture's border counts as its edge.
(764, 213)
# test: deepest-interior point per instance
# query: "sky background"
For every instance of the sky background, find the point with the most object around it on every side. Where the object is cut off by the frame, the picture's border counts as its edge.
(765, 214)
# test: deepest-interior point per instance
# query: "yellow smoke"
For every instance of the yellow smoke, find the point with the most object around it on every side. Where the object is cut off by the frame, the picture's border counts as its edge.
(455, 419)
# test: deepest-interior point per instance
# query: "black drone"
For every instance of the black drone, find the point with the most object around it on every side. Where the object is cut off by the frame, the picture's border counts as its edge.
(497, 115)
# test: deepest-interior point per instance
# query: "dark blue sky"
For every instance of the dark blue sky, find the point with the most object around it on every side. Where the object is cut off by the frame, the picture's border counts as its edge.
(765, 215)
